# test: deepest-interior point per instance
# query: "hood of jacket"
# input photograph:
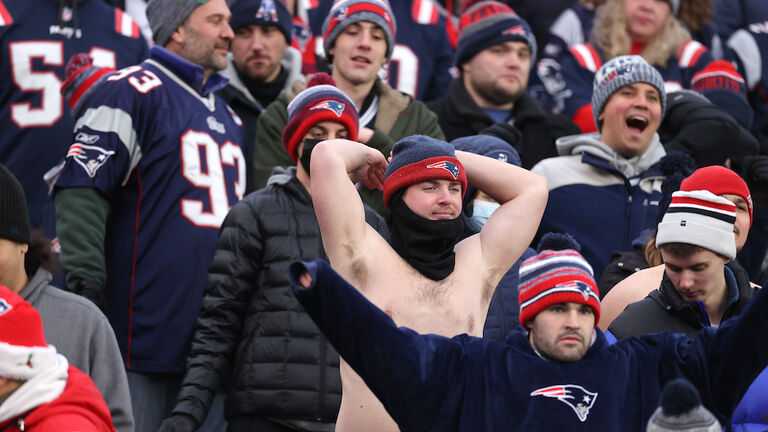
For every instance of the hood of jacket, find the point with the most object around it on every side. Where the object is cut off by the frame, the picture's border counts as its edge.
(36, 286)
(591, 144)
(291, 62)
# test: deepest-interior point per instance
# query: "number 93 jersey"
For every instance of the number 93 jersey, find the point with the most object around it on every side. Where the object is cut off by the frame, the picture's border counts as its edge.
(165, 152)
(36, 40)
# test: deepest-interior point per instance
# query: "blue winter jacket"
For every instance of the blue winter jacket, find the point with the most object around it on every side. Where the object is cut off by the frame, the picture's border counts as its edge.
(434, 383)
(599, 197)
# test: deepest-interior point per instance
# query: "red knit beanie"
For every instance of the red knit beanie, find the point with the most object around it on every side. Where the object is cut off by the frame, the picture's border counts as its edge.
(720, 181)
(320, 101)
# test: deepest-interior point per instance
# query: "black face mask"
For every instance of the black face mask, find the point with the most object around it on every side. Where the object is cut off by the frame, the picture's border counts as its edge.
(306, 154)
(425, 244)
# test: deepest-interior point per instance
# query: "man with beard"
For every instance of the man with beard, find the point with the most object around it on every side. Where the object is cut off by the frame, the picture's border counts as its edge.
(158, 155)
(494, 55)
(425, 279)
(262, 64)
(554, 372)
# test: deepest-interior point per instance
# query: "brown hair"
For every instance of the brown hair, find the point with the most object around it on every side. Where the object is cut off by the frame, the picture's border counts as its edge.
(39, 254)
(681, 249)
(695, 13)
(610, 34)
(652, 253)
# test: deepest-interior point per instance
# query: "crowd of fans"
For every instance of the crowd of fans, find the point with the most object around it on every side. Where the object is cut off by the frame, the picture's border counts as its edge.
(316, 215)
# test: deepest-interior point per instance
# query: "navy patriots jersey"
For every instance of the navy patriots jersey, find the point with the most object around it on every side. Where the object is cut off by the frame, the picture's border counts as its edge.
(36, 42)
(168, 160)
(749, 49)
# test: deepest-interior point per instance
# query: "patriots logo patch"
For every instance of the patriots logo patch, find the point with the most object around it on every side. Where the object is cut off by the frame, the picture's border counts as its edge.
(336, 107)
(620, 67)
(579, 286)
(577, 397)
(501, 156)
(267, 11)
(4, 306)
(518, 30)
(91, 158)
(448, 166)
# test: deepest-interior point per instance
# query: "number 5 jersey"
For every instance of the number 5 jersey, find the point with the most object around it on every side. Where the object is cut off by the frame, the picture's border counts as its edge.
(164, 154)
(36, 40)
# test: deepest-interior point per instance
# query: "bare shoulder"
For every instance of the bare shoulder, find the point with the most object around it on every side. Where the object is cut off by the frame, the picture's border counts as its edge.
(632, 289)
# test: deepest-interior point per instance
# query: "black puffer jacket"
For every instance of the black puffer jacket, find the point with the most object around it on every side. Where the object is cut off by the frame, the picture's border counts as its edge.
(459, 116)
(251, 331)
(665, 309)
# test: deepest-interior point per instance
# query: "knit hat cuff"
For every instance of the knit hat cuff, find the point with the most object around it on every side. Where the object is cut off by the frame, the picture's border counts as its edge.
(491, 31)
(24, 362)
(719, 240)
(570, 286)
(434, 168)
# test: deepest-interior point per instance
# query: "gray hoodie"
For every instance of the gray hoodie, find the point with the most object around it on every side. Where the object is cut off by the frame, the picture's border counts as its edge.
(592, 144)
(81, 332)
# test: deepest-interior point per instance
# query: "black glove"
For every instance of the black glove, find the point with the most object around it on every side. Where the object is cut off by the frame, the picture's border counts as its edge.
(91, 290)
(179, 423)
(505, 131)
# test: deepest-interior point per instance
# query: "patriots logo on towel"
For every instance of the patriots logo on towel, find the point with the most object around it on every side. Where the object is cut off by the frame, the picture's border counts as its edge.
(577, 397)
(583, 288)
(267, 11)
(91, 158)
(4, 306)
(336, 107)
(448, 166)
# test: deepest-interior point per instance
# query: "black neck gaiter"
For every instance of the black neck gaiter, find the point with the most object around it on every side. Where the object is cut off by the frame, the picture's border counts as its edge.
(262, 91)
(425, 244)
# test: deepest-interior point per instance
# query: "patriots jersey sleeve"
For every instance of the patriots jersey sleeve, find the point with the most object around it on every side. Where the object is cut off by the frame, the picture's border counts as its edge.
(105, 143)
(578, 73)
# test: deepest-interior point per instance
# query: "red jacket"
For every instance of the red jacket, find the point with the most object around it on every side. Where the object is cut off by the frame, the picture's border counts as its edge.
(79, 408)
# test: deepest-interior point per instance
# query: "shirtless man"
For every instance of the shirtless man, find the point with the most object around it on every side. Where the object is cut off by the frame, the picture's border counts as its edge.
(425, 280)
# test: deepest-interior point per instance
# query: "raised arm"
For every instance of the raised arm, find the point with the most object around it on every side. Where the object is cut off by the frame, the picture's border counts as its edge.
(523, 197)
(418, 378)
(336, 165)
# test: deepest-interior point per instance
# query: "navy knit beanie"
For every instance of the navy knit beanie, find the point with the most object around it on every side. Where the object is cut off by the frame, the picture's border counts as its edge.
(262, 13)
(421, 158)
(489, 23)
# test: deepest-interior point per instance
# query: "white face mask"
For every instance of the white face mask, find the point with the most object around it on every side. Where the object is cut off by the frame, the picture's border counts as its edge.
(481, 211)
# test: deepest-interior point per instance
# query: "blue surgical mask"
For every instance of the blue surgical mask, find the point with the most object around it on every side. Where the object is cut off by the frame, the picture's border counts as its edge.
(481, 211)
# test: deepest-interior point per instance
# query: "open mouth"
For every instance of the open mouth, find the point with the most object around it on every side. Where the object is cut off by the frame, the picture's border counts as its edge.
(361, 59)
(637, 123)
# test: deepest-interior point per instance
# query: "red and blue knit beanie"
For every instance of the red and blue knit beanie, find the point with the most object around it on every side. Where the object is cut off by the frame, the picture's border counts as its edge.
(82, 78)
(558, 274)
(346, 12)
(489, 23)
(320, 101)
(420, 158)
(725, 87)
(720, 181)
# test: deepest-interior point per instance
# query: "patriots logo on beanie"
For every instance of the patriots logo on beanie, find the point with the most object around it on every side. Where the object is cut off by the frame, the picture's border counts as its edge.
(448, 166)
(336, 107)
(267, 9)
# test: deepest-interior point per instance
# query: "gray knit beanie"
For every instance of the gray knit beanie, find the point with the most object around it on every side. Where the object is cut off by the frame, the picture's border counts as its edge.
(165, 16)
(619, 72)
(681, 410)
(346, 12)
